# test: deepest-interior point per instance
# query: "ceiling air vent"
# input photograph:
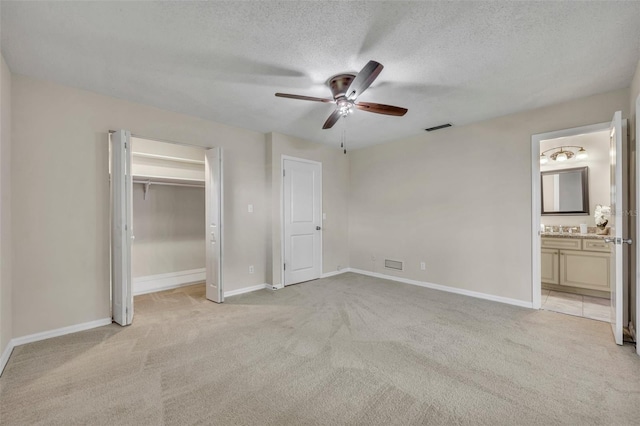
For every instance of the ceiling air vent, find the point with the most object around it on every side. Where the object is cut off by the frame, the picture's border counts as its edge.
(393, 264)
(442, 126)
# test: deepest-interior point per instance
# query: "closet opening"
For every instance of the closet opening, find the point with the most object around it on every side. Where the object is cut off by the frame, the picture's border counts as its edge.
(166, 225)
(169, 247)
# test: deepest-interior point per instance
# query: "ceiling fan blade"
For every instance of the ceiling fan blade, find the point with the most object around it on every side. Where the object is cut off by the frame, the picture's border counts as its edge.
(381, 108)
(364, 79)
(303, 98)
(333, 119)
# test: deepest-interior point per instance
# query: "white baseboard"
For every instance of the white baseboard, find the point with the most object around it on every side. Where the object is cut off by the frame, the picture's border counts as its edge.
(5, 356)
(245, 290)
(153, 283)
(36, 337)
(324, 275)
(334, 273)
(60, 331)
(448, 289)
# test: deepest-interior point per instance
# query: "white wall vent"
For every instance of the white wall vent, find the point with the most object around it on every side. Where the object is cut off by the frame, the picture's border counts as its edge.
(393, 264)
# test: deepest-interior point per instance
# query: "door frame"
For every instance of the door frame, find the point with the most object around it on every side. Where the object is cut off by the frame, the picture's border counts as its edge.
(637, 215)
(282, 207)
(536, 203)
(221, 231)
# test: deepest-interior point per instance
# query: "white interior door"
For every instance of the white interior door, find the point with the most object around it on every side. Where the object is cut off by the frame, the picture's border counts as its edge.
(615, 222)
(302, 198)
(213, 215)
(121, 227)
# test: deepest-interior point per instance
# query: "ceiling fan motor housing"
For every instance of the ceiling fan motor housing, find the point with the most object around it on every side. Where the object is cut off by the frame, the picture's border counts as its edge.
(339, 84)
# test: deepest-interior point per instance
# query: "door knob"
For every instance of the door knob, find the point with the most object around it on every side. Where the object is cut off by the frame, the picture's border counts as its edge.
(318, 228)
(627, 241)
(610, 240)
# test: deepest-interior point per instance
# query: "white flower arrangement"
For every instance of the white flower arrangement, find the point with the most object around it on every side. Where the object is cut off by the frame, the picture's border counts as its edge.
(601, 215)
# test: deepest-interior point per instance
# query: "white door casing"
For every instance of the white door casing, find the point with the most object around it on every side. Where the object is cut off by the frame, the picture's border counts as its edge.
(302, 217)
(536, 253)
(615, 223)
(213, 217)
(121, 227)
(637, 175)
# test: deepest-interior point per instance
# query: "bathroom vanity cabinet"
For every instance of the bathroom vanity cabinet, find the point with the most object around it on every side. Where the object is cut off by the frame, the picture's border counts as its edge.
(576, 265)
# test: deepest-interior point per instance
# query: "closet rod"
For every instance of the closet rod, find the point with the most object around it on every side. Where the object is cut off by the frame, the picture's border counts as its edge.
(150, 182)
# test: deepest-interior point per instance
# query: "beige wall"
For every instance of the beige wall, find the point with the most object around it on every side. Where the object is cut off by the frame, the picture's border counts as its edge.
(5, 208)
(459, 199)
(169, 226)
(335, 199)
(61, 260)
(597, 146)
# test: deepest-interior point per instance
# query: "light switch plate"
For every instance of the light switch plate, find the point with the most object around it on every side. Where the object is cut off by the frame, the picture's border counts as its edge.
(250, 208)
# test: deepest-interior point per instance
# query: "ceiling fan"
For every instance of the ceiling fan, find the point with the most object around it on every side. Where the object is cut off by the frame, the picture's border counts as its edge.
(345, 89)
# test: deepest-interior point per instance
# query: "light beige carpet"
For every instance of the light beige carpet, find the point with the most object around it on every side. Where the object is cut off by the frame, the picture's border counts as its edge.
(345, 350)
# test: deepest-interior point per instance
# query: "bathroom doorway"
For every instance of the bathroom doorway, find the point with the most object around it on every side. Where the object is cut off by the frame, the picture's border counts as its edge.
(579, 253)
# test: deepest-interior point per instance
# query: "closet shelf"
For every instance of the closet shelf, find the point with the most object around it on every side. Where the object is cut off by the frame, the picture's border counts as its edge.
(147, 181)
(167, 158)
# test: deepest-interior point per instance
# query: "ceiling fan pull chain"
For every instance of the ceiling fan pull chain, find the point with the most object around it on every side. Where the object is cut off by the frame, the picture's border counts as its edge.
(344, 134)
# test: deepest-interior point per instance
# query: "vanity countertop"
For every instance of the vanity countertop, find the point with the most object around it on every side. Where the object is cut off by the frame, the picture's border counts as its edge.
(589, 236)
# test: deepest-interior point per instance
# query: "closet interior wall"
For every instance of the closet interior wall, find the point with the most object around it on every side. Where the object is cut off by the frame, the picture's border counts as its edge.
(168, 214)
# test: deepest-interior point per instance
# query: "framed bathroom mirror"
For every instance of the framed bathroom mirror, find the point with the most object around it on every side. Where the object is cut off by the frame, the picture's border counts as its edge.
(565, 191)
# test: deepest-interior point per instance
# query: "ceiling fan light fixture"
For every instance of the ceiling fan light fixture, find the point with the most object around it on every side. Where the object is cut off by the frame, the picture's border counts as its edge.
(345, 89)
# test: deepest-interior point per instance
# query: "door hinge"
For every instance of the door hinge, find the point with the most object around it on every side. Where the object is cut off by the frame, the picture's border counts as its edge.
(283, 173)
(285, 266)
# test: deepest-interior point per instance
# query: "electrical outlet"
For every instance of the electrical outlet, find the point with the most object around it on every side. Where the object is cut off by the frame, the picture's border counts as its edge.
(423, 266)
(250, 208)
(251, 270)
(373, 257)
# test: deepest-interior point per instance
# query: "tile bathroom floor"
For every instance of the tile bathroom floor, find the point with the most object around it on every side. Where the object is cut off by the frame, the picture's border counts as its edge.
(595, 308)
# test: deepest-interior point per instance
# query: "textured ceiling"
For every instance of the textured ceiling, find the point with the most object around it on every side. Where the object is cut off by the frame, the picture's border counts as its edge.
(452, 62)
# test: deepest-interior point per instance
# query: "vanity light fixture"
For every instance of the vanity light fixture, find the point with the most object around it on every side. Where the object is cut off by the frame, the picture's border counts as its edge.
(562, 153)
(582, 154)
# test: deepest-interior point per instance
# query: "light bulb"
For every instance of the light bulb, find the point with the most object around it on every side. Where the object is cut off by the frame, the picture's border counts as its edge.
(582, 154)
(561, 157)
(543, 159)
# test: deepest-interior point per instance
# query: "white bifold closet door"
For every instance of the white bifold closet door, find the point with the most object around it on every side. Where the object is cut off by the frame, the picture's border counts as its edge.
(213, 216)
(121, 227)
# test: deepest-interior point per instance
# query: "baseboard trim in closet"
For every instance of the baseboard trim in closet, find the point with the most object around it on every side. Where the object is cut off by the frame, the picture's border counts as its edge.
(245, 290)
(168, 281)
(476, 294)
